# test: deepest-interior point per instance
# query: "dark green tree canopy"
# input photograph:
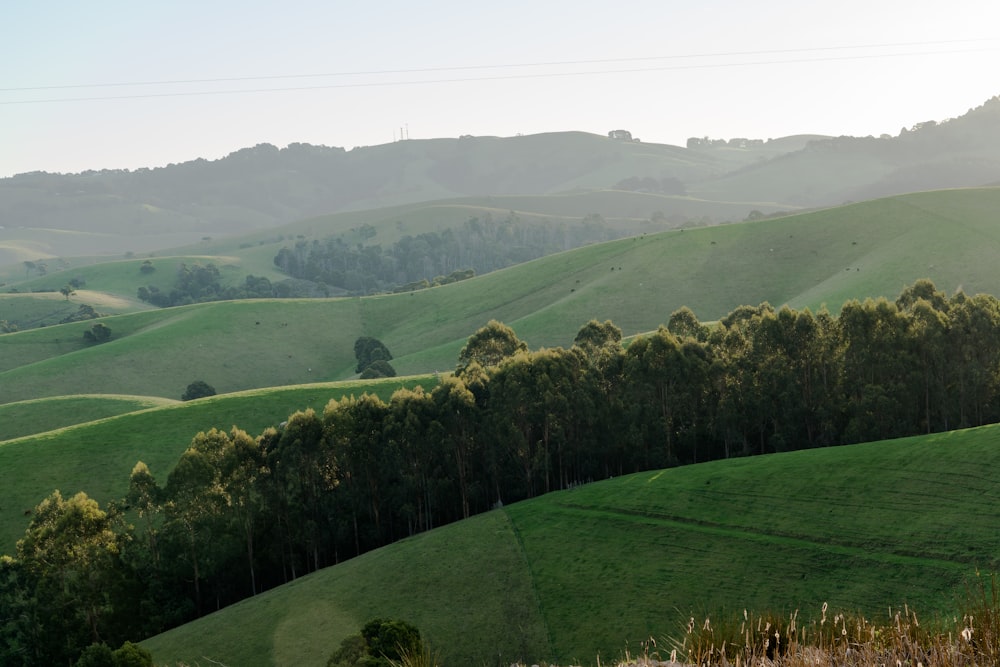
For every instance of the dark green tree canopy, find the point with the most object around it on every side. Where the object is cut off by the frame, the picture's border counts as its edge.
(368, 350)
(380, 368)
(99, 333)
(197, 389)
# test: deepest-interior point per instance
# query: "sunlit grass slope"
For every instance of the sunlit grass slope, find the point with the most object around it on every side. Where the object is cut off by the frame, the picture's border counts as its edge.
(48, 414)
(826, 257)
(97, 457)
(123, 277)
(613, 563)
(41, 309)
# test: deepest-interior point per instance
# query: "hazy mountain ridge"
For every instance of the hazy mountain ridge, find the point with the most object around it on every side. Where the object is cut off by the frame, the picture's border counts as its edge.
(959, 152)
(263, 186)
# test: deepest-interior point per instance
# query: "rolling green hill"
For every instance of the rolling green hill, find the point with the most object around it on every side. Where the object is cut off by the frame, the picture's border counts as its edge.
(48, 414)
(824, 257)
(588, 571)
(106, 280)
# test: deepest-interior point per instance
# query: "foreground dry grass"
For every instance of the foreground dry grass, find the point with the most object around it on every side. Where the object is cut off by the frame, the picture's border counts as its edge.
(842, 639)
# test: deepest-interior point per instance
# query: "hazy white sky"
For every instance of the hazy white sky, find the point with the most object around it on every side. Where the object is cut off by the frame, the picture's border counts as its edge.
(126, 84)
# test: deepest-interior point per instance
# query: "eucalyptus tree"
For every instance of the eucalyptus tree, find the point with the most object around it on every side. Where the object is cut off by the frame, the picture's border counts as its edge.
(457, 415)
(490, 345)
(975, 350)
(414, 432)
(368, 465)
(302, 471)
(514, 428)
(877, 387)
(193, 505)
(69, 561)
(669, 377)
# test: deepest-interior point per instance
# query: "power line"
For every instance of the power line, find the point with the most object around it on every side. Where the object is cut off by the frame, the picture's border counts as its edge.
(558, 63)
(501, 77)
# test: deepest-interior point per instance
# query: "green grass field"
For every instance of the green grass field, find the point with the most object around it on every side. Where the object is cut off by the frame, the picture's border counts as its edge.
(97, 457)
(593, 570)
(814, 259)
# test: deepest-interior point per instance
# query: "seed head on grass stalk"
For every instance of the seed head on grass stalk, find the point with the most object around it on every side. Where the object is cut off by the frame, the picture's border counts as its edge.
(417, 657)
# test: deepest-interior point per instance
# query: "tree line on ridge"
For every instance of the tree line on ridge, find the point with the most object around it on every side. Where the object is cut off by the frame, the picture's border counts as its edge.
(241, 513)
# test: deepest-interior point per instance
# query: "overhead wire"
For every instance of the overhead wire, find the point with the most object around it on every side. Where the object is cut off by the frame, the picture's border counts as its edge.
(499, 77)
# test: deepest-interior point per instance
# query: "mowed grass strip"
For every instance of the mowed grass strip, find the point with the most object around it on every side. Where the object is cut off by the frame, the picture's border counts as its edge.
(615, 563)
(466, 586)
(47, 414)
(98, 457)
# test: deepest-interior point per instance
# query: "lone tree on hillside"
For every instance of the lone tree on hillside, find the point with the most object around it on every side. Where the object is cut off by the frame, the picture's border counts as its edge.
(99, 333)
(367, 351)
(197, 389)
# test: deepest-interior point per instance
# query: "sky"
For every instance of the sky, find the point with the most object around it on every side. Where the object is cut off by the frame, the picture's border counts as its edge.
(123, 85)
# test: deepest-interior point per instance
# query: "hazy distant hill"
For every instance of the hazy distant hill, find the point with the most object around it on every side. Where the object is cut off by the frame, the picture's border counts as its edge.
(113, 211)
(263, 186)
(960, 152)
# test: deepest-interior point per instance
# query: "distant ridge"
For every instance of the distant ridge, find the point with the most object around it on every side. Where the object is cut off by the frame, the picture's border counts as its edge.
(263, 186)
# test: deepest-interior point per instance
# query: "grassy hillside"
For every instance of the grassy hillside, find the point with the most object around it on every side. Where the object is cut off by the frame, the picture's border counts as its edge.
(124, 276)
(48, 414)
(238, 256)
(42, 309)
(97, 457)
(825, 257)
(611, 564)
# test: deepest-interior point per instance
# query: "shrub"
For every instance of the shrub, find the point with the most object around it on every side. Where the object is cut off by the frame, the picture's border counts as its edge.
(96, 655)
(132, 655)
(382, 643)
(352, 650)
(99, 333)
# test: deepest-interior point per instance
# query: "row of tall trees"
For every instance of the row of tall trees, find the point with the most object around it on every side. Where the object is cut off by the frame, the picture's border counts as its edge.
(240, 513)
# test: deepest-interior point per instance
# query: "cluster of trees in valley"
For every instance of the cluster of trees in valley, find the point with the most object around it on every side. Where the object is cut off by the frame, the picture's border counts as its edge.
(335, 267)
(240, 513)
(478, 246)
(198, 283)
